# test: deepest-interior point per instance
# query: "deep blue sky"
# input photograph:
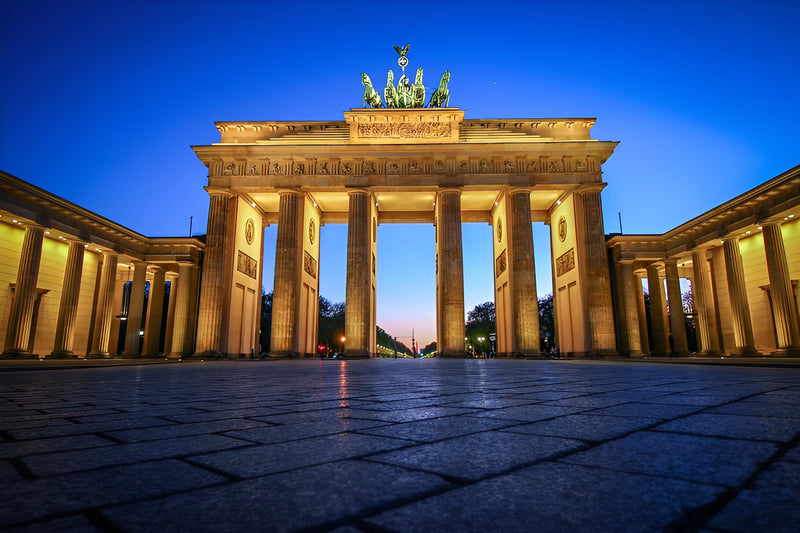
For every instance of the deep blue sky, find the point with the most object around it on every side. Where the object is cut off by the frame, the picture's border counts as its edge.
(100, 101)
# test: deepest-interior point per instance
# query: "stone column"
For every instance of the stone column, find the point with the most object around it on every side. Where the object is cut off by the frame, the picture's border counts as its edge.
(212, 290)
(677, 321)
(21, 315)
(704, 305)
(135, 310)
(740, 306)
(183, 293)
(780, 288)
(659, 321)
(523, 274)
(155, 313)
(68, 306)
(598, 277)
(641, 313)
(358, 309)
(104, 310)
(287, 271)
(172, 278)
(451, 274)
(630, 343)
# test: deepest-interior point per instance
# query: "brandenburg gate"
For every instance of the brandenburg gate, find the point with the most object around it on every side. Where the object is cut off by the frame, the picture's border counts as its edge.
(404, 165)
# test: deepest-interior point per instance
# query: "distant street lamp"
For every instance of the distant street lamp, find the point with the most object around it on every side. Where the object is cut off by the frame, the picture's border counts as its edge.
(343, 339)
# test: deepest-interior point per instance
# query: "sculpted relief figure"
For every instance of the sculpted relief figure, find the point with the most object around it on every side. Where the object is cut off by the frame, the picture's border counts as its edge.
(442, 94)
(418, 90)
(388, 93)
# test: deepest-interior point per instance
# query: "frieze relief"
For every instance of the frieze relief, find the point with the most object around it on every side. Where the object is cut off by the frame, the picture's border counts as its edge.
(404, 130)
(391, 167)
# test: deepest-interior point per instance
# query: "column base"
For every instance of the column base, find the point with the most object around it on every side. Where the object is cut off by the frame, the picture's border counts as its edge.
(453, 354)
(14, 354)
(209, 354)
(98, 355)
(746, 351)
(176, 356)
(356, 354)
(710, 353)
(281, 355)
(124, 356)
(634, 353)
(62, 354)
(786, 352)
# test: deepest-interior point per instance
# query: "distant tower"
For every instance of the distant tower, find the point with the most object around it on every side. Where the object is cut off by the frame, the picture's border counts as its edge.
(413, 344)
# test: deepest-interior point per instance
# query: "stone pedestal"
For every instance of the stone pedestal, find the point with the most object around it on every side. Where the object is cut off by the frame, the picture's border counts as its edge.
(740, 307)
(358, 309)
(450, 274)
(18, 334)
(677, 321)
(68, 306)
(784, 311)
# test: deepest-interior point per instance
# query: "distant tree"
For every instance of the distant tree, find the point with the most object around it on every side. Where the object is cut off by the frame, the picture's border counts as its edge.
(266, 321)
(385, 339)
(429, 349)
(331, 323)
(547, 326)
(480, 323)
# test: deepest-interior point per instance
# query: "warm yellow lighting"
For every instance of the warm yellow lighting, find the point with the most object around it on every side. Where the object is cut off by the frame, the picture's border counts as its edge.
(15, 222)
(558, 202)
(47, 232)
(759, 228)
(342, 339)
(791, 216)
(253, 204)
(747, 232)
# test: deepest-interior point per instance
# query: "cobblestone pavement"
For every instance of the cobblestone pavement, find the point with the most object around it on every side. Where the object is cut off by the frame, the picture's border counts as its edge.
(400, 445)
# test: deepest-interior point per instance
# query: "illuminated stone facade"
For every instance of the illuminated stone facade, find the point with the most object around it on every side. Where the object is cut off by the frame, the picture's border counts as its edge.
(430, 166)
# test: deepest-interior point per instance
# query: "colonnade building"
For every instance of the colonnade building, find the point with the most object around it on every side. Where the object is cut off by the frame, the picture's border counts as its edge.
(74, 284)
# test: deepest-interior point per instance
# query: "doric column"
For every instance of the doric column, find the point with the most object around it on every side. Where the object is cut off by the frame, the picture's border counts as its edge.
(704, 305)
(598, 277)
(155, 313)
(183, 292)
(627, 317)
(212, 289)
(641, 313)
(659, 321)
(677, 322)
(287, 272)
(104, 310)
(358, 311)
(22, 305)
(451, 274)
(737, 290)
(780, 289)
(68, 306)
(135, 310)
(172, 278)
(523, 274)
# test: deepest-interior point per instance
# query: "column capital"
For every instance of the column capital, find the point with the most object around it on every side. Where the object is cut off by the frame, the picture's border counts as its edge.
(156, 268)
(591, 187)
(519, 190)
(214, 191)
(290, 192)
(352, 192)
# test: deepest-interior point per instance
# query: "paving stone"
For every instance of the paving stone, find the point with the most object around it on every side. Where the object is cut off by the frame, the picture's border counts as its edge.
(736, 426)
(32, 499)
(553, 497)
(70, 524)
(205, 416)
(689, 399)
(753, 407)
(431, 430)
(326, 494)
(407, 415)
(793, 454)
(76, 429)
(59, 463)
(770, 505)
(688, 457)
(585, 427)
(181, 430)
(477, 456)
(648, 410)
(8, 473)
(529, 413)
(270, 434)
(280, 457)
(29, 447)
